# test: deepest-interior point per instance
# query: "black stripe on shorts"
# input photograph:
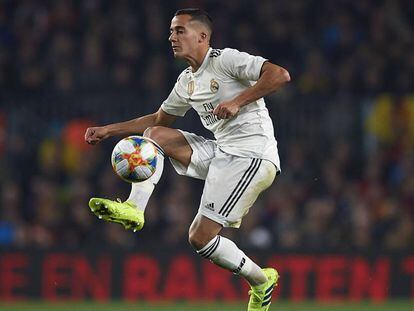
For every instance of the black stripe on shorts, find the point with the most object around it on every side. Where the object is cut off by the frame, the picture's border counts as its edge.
(241, 187)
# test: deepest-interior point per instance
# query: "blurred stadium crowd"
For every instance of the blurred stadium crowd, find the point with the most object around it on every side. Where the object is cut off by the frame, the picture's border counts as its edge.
(345, 124)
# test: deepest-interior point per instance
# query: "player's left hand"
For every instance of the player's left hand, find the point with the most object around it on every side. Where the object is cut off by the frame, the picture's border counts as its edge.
(226, 110)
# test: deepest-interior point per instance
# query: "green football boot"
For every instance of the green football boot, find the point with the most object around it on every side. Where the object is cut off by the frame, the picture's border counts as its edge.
(125, 213)
(261, 295)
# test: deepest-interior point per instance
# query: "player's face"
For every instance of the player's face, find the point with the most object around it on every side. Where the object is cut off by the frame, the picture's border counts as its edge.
(184, 37)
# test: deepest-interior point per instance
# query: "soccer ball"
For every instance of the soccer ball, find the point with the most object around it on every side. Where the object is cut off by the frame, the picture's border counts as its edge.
(134, 159)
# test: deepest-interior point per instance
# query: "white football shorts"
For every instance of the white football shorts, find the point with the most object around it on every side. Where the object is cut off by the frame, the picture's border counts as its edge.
(232, 183)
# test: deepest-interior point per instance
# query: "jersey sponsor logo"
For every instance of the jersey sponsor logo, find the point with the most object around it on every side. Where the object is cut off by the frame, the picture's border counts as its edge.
(214, 86)
(209, 206)
(190, 88)
(209, 118)
(208, 107)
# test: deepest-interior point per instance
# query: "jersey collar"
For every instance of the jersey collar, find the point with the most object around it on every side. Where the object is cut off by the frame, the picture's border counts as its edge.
(204, 64)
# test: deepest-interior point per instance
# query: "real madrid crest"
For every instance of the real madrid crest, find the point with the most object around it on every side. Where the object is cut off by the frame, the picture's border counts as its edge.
(190, 88)
(214, 86)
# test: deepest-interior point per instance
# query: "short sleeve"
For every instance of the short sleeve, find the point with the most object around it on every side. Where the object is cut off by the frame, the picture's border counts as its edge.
(241, 65)
(175, 104)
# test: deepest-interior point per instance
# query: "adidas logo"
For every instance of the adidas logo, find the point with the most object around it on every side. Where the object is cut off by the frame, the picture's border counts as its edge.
(209, 206)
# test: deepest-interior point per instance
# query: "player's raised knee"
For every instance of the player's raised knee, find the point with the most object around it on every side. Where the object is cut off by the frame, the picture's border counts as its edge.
(156, 133)
(159, 134)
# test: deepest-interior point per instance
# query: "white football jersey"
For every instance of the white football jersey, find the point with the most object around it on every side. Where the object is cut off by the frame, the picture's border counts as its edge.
(223, 75)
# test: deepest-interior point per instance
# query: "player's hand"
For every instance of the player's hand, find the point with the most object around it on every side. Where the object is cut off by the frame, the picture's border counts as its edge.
(226, 110)
(94, 135)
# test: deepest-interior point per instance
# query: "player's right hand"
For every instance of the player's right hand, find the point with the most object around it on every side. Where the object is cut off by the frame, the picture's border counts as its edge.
(94, 135)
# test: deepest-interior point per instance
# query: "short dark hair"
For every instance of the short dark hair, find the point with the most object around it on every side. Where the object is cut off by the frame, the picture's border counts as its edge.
(197, 15)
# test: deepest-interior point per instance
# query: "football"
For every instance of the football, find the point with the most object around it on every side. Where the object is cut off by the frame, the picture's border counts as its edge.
(134, 159)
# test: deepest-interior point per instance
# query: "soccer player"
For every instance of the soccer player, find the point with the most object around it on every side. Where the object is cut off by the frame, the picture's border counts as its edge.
(226, 88)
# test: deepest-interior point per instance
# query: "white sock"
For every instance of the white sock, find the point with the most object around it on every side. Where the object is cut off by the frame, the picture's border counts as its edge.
(141, 191)
(225, 253)
(140, 194)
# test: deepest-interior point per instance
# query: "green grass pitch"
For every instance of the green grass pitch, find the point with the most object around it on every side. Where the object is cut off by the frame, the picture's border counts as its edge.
(276, 306)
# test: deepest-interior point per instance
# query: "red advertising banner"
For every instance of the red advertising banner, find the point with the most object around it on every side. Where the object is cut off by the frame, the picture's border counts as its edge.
(141, 276)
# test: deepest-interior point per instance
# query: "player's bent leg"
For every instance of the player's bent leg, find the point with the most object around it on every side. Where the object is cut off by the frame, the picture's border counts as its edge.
(131, 213)
(232, 186)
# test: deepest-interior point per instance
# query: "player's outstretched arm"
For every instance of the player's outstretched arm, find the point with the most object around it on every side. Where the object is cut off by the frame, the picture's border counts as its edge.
(94, 135)
(272, 77)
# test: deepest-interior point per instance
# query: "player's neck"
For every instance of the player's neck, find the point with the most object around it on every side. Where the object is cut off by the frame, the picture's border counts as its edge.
(196, 60)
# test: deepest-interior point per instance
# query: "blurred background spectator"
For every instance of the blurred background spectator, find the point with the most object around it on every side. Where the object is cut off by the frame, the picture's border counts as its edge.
(345, 124)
